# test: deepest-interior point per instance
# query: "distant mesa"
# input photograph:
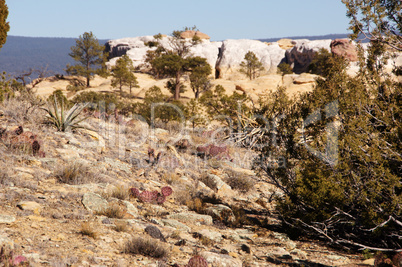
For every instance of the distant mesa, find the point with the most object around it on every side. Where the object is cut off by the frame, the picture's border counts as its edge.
(191, 34)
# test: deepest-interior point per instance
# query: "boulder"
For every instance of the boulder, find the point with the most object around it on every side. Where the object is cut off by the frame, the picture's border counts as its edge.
(232, 53)
(94, 202)
(301, 55)
(223, 260)
(192, 218)
(286, 44)
(190, 34)
(344, 48)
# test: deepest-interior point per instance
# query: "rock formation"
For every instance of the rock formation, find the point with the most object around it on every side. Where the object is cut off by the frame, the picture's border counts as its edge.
(301, 55)
(190, 34)
(344, 48)
(225, 57)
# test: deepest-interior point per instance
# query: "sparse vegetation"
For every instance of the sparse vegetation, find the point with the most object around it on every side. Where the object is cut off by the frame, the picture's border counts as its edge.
(251, 66)
(145, 246)
(239, 182)
(74, 173)
(88, 230)
(64, 120)
(112, 211)
(284, 68)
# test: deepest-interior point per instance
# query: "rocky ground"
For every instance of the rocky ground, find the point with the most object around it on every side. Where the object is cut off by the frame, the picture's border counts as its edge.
(67, 203)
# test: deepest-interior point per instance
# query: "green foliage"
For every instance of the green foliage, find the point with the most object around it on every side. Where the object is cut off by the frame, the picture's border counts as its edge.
(225, 108)
(64, 120)
(176, 62)
(194, 111)
(163, 110)
(200, 70)
(96, 101)
(325, 64)
(123, 74)
(251, 66)
(89, 55)
(60, 98)
(379, 21)
(284, 68)
(341, 180)
(6, 88)
(4, 25)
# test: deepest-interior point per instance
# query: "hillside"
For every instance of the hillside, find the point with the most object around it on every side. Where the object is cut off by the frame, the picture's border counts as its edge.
(66, 203)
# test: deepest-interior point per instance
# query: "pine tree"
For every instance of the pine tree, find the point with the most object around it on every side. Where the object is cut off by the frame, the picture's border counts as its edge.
(251, 66)
(377, 21)
(89, 55)
(123, 74)
(4, 25)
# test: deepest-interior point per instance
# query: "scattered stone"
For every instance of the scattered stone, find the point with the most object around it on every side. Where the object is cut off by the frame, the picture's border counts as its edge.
(222, 260)
(192, 218)
(94, 202)
(246, 248)
(6, 218)
(175, 224)
(154, 232)
(212, 235)
(279, 253)
(31, 206)
(221, 212)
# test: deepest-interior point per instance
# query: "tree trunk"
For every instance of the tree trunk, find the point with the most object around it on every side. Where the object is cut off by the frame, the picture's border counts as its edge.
(177, 86)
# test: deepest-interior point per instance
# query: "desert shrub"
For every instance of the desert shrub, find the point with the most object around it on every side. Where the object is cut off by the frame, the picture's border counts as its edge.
(112, 211)
(119, 192)
(325, 64)
(121, 227)
(6, 88)
(225, 108)
(341, 180)
(74, 173)
(108, 102)
(284, 68)
(88, 230)
(61, 118)
(60, 98)
(148, 247)
(238, 181)
(164, 110)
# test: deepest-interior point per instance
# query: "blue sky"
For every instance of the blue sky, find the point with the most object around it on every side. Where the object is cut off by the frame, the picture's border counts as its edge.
(220, 19)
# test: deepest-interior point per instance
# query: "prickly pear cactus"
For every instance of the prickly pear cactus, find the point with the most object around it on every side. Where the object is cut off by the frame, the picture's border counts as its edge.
(197, 261)
(166, 191)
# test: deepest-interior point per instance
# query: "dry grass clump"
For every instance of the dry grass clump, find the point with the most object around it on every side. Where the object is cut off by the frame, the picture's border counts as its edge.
(121, 227)
(208, 180)
(112, 211)
(148, 247)
(239, 181)
(120, 192)
(171, 178)
(74, 173)
(88, 230)
(4, 178)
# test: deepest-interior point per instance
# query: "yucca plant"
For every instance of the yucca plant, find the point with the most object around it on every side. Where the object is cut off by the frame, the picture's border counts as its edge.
(63, 119)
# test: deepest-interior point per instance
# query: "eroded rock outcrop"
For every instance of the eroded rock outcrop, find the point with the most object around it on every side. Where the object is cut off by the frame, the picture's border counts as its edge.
(344, 48)
(301, 55)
